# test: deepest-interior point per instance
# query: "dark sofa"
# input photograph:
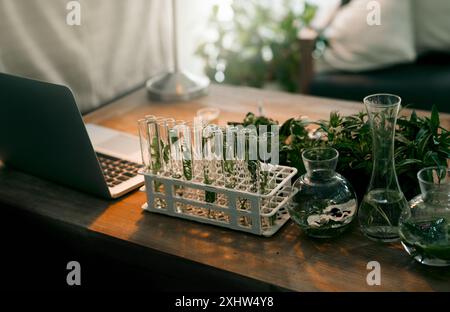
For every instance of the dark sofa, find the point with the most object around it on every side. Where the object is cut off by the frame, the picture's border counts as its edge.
(421, 84)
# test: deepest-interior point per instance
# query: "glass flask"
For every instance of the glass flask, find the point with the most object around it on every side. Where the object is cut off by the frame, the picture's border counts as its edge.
(383, 203)
(425, 228)
(323, 203)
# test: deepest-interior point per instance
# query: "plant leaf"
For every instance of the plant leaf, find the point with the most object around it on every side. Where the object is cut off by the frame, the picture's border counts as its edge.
(434, 120)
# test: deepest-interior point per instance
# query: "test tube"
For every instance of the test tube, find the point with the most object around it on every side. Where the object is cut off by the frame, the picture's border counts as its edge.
(155, 166)
(196, 142)
(164, 124)
(209, 161)
(175, 137)
(248, 153)
(186, 144)
(266, 178)
(229, 162)
(154, 148)
(144, 141)
(268, 175)
(219, 145)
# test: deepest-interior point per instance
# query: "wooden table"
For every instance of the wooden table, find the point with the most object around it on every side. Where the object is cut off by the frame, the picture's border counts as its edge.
(287, 261)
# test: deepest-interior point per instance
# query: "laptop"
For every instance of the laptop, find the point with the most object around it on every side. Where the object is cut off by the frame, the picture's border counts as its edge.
(42, 133)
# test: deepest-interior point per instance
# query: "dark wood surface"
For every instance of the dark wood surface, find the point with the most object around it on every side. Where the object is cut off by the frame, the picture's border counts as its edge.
(288, 260)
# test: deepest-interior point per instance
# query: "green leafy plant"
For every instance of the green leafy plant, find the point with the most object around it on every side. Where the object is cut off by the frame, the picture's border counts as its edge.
(258, 45)
(187, 169)
(419, 142)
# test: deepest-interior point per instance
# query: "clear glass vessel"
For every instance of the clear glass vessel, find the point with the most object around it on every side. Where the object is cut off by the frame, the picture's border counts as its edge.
(177, 139)
(163, 127)
(252, 168)
(230, 171)
(425, 228)
(323, 203)
(144, 142)
(266, 178)
(209, 161)
(383, 203)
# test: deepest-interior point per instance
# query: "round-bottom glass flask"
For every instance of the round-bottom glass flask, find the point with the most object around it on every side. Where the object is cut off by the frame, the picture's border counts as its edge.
(323, 202)
(425, 228)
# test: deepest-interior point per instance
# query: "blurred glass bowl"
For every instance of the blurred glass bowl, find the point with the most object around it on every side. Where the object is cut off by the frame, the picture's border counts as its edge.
(209, 114)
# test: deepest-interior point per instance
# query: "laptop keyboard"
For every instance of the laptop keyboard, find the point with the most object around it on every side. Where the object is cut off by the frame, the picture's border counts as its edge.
(117, 170)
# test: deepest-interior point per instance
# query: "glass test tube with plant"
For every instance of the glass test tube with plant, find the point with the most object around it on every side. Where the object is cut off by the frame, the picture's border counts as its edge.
(209, 161)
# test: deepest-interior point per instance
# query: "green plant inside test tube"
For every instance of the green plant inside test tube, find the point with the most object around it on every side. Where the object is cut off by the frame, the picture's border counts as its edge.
(208, 161)
(229, 152)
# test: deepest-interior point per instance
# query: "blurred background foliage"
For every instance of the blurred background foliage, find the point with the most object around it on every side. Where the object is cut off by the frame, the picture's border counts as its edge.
(254, 42)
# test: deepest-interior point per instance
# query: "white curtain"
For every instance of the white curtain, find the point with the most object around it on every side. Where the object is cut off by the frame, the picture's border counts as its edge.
(118, 45)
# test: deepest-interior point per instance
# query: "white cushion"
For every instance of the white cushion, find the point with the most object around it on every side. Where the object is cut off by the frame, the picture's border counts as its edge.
(432, 24)
(356, 46)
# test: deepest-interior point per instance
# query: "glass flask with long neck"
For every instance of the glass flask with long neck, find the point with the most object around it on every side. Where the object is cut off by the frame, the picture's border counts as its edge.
(383, 203)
